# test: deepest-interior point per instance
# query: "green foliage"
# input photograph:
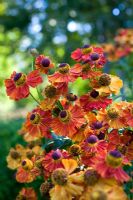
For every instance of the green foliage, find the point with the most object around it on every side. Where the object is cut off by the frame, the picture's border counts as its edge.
(8, 185)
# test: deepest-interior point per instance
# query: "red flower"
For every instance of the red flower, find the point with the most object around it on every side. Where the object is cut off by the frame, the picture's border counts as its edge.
(93, 145)
(94, 56)
(109, 165)
(52, 160)
(85, 71)
(38, 122)
(77, 55)
(93, 101)
(68, 121)
(43, 64)
(64, 75)
(17, 87)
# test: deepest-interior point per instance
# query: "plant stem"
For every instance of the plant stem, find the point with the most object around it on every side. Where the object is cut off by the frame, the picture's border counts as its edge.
(34, 98)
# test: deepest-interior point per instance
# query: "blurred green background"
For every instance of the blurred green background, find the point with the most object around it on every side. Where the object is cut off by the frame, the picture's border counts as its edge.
(55, 28)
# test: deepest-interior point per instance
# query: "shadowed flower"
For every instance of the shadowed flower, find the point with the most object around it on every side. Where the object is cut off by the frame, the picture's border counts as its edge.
(104, 190)
(24, 174)
(17, 87)
(27, 194)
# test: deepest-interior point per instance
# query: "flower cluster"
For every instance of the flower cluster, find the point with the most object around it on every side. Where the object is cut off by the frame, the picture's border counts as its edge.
(77, 145)
(123, 45)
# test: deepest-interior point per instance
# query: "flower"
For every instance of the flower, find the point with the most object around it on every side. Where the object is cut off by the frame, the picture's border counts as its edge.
(66, 185)
(94, 56)
(109, 165)
(68, 121)
(38, 122)
(93, 145)
(85, 71)
(17, 86)
(24, 174)
(94, 101)
(15, 156)
(109, 84)
(82, 133)
(27, 193)
(43, 64)
(128, 114)
(113, 116)
(104, 190)
(52, 160)
(64, 74)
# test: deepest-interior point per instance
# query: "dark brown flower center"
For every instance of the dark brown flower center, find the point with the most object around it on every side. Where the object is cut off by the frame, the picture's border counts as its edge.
(112, 113)
(50, 91)
(15, 155)
(94, 94)
(71, 97)
(59, 176)
(45, 187)
(104, 80)
(75, 150)
(91, 177)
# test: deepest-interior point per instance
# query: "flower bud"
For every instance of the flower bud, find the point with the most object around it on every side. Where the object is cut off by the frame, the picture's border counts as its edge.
(34, 52)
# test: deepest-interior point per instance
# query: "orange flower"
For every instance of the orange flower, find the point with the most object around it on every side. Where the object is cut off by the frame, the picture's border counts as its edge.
(67, 185)
(68, 121)
(65, 74)
(27, 193)
(43, 64)
(17, 87)
(38, 122)
(108, 84)
(112, 116)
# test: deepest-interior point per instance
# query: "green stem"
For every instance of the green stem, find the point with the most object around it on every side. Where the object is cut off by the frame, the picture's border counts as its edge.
(34, 98)
(39, 95)
(59, 105)
(33, 64)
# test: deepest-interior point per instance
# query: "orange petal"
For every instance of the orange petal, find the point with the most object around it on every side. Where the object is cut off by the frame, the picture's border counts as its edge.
(70, 165)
